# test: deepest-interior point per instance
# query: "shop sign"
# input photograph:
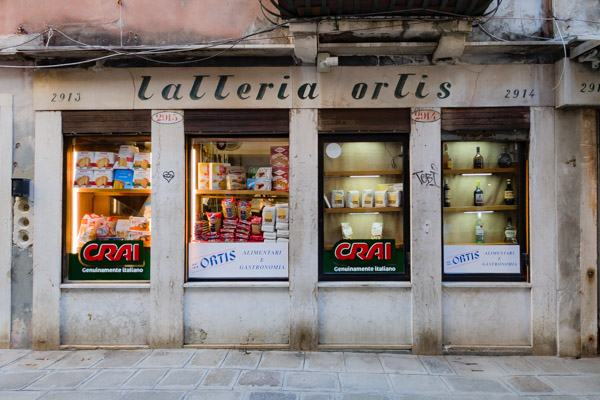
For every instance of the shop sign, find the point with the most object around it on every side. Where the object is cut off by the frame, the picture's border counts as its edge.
(103, 260)
(167, 117)
(482, 259)
(425, 116)
(238, 260)
(363, 257)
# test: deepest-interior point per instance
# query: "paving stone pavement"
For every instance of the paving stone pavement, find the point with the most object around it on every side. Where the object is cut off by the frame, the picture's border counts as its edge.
(206, 374)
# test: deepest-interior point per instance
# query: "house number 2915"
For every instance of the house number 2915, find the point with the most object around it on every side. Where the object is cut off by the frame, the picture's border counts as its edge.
(60, 97)
(519, 93)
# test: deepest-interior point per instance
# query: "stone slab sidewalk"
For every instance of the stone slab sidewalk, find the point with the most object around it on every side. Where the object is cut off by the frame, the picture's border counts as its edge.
(282, 375)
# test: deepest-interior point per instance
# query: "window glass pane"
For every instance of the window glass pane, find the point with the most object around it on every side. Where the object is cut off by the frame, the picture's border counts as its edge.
(363, 231)
(484, 209)
(238, 223)
(108, 214)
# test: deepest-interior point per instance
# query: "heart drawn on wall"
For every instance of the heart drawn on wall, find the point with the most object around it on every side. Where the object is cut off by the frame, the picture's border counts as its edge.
(168, 175)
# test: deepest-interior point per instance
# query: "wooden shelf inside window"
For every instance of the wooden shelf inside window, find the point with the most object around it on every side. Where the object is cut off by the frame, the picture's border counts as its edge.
(480, 244)
(113, 192)
(246, 193)
(340, 174)
(481, 208)
(511, 170)
(362, 210)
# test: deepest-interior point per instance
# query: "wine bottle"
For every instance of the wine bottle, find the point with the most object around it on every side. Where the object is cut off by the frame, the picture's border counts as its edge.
(510, 233)
(509, 194)
(446, 159)
(446, 193)
(479, 232)
(504, 159)
(478, 195)
(478, 160)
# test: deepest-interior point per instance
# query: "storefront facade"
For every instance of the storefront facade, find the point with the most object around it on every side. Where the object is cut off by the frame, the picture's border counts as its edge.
(521, 301)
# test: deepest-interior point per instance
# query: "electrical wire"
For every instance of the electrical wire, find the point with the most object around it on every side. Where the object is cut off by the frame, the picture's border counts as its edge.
(28, 41)
(565, 50)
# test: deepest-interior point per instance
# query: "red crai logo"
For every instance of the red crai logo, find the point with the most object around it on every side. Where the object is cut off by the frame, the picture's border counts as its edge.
(363, 251)
(116, 253)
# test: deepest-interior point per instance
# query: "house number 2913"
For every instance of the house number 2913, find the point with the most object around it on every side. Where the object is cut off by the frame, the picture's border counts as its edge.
(60, 97)
(519, 93)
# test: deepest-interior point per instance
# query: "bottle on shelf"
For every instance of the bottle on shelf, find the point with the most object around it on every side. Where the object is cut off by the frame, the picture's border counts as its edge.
(446, 193)
(504, 159)
(478, 160)
(479, 232)
(478, 195)
(510, 232)
(509, 193)
(446, 159)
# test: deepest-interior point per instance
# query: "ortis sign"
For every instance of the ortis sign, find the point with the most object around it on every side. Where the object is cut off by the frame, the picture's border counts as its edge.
(112, 253)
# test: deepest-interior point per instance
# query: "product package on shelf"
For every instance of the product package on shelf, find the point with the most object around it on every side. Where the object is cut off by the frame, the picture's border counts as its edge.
(282, 240)
(264, 173)
(367, 198)
(125, 157)
(377, 230)
(236, 178)
(203, 176)
(228, 206)
(87, 228)
(84, 178)
(283, 233)
(142, 179)
(353, 199)
(244, 210)
(104, 160)
(142, 160)
(282, 213)
(122, 227)
(123, 179)
(85, 160)
(280, 156)
(346, 231)
(337, 198)
(281, 179)
(268, 219)
(106, 227)
(139, 224)
(139, 235)
(217, 176)
(381, 198)
(103, 179)
(214, 221)
(259, 184)
(394, 198)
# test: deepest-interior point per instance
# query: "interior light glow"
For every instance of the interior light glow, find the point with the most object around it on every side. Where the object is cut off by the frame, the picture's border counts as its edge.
(480, 174)
(193, 195)
(477, 212)
(365, 176)
(365, 213)
(74, 221)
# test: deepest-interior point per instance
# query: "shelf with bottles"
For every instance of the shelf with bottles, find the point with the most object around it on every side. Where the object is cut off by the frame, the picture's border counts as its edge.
(362, 174)
(480, 157)
(482, 208)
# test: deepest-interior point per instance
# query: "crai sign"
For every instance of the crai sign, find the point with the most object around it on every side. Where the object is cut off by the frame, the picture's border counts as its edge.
(110, 260)
(363, 257)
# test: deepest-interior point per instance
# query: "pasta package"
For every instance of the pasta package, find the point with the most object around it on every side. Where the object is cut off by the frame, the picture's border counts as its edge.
(268, 216)
(367, 198)
(346, 231)
(394, 198)
(381, 198)
(228, 206)
(337, 198)
(377, 230)
(353, 199)
(244, 210)
(282, 213)
(214, 221)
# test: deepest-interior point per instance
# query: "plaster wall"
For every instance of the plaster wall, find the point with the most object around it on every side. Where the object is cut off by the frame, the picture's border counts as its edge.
(365, 316)
(486, 316)
(581, 17)
(568, 187)
(131, 22)
(236, 315)
(20, 84)
(104, 316)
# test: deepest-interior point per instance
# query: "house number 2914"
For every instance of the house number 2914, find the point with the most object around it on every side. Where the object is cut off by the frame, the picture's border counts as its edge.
(519, 93)
(60, 97)
(590, 87)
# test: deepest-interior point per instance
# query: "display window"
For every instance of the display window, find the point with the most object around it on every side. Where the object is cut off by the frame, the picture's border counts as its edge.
(238, 218)
(108, 214)
(363, 227)
(485, 210)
